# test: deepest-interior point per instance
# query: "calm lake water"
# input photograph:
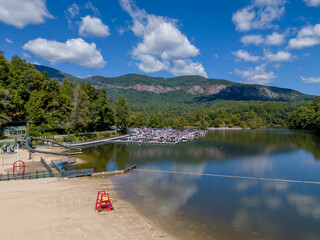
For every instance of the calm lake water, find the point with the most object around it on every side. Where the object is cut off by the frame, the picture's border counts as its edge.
(209, 207)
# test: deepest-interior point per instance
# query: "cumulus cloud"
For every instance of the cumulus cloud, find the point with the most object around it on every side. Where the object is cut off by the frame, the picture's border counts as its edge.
(258, 15)
(275, 39)
(310, 79)
(307, 37)
(254, 39)
(312, 3)
(8, 40)
(281, 56)
(187, 67)
(149, 64)
(245, 56)
(73, 50)
(162, 43)
(257, 75)
(92, 26)
(20, 13)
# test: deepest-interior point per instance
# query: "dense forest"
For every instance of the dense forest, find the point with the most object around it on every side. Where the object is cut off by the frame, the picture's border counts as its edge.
(27, 94)
(53, 107)
(307, 117)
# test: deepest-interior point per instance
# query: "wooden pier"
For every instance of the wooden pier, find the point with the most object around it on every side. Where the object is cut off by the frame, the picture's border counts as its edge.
(116, 172)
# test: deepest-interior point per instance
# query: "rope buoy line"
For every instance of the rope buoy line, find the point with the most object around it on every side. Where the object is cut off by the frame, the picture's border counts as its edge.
(231, 176)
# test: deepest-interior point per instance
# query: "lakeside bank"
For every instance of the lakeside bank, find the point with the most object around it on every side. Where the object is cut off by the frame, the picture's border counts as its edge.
(57, 208)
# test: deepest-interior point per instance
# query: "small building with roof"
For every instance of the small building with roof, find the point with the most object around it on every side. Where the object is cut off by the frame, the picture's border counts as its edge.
(14, 130)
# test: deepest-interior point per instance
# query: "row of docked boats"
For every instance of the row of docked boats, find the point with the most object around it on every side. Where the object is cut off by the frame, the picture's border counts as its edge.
(164, 135)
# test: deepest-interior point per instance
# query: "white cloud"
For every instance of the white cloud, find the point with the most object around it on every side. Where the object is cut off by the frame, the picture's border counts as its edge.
(280, 56)
(243, 19)
(162, 43)
(275, 39)
(20, 13)
(26, 55)
(307, 37)
(149, 64)
(187, 67)
(73, 10)
(310, 79)
(257, 75)
(312, 3)
(92, 26)
(73, 50)
(252, 39)
(259, 15)
(244, 55)
(8, 40)
(92, 8)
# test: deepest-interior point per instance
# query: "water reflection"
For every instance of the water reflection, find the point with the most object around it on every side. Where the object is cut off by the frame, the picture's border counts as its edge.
(216, 146)
(306, 205)
(223, 208)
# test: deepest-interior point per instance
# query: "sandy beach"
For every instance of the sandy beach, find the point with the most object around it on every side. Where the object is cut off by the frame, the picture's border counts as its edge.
(57, 208)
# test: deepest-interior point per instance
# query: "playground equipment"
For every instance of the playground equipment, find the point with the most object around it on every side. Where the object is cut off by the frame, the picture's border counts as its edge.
(28, 144)
(61, 165)
(4, 147)
(11, 147)
(17, 165)
(103, 202)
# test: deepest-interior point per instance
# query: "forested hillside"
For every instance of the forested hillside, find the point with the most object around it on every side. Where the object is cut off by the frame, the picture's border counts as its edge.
(27, 94)
(65, 106)
(190, 90)
(307, 117)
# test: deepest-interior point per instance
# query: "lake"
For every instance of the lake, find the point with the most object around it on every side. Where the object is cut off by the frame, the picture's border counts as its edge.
(194, 190)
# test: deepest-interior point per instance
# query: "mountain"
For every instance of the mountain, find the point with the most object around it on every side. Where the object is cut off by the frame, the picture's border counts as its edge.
(140, 89)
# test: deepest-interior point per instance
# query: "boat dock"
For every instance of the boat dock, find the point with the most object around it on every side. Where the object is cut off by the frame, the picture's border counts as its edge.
(164, 136)
(142, 142)
(116, 172)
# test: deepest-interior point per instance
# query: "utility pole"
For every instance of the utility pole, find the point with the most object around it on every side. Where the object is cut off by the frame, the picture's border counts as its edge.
(28, 127)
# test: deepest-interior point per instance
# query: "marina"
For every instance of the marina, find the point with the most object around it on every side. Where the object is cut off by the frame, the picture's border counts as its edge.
(163, 135)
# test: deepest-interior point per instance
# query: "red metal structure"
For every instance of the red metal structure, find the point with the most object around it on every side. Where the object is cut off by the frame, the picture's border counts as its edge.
(17, 166)
(103, 201)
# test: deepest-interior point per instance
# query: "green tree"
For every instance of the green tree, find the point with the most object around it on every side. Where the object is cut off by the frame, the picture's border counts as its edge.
(5, 106)
(122, 114)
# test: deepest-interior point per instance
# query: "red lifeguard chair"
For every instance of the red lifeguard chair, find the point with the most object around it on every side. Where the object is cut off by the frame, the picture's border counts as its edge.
(103, 201)
(17, 164)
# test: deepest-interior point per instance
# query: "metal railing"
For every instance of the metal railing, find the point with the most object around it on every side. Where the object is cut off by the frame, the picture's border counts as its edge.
(46, 166)
(72, 173)
(21, 176)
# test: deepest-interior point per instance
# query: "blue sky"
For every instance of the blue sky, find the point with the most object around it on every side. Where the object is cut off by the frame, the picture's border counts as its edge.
(269, 42)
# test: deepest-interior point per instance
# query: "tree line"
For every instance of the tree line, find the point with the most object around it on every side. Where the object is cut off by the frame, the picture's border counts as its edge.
(306, 117)
(67, 107)
(26, 94)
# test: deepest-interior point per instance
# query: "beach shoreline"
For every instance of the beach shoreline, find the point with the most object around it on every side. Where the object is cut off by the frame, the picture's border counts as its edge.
(57, 208)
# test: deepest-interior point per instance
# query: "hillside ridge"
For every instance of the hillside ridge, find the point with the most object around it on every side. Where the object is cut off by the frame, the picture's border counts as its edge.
(138, 88)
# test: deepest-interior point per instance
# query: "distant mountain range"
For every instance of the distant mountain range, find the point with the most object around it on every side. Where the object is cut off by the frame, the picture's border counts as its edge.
(140, 89)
